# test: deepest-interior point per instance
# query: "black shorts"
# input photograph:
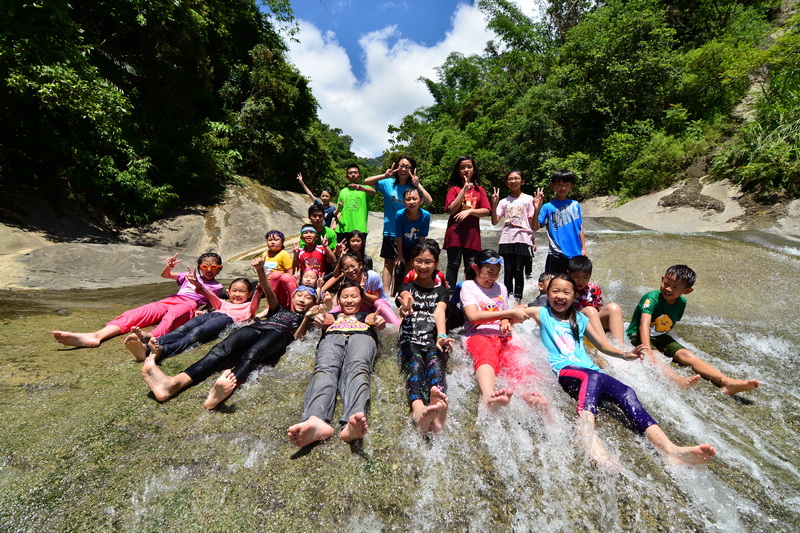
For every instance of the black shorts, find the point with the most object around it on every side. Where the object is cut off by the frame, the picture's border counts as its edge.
(389, 247)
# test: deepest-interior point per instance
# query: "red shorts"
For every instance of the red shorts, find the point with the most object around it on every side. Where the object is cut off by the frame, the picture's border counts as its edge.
(501, 353)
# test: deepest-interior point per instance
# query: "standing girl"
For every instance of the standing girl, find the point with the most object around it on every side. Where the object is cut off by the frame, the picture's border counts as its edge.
(466, 202)
(517, 237)
(423, 339)
(345, 355)
(392, 184)
(278, 265)
(487, 326)
(562, 329)
(169, 313)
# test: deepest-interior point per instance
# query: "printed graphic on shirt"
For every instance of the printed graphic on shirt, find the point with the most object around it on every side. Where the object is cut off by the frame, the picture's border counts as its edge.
(662, 324)
(515, 214)
(471, 199)
(564, 215)
(347, 324)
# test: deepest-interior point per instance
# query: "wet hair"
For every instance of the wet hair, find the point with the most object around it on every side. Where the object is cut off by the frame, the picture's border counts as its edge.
(275, 233)
(455, 173)
(563, 175)
(315, 208)
(572, 313)
(346, 284)
(546, 276)
(352, 165)
(426, 245)
(482, 256)
(580, 263)
(515, 171)
(212, 255)
(683, 274)
(250, 284)
(412, 188)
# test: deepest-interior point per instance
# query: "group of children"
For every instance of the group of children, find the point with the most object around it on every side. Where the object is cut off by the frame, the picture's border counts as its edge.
(328, 283)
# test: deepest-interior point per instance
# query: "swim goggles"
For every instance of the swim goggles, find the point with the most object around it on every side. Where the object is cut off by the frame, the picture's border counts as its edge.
(492, 261)
(309, 290)
(308, 228)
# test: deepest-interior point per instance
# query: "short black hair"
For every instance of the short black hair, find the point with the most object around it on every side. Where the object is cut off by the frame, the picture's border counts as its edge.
(563, 175)
(352, 165)
(580, 263)
(546, 276)
(682, 273)
(316, 208)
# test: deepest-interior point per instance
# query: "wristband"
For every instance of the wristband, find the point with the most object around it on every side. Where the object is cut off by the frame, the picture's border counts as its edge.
(441, 336)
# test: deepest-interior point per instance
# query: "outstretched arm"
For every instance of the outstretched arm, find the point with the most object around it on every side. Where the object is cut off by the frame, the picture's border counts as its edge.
(258, 264)
(600, 340)
(476, 316)
(305, 188)
(170, 264)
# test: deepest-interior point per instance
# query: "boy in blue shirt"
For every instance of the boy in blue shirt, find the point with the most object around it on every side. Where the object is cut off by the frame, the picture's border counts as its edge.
(563, 221)
(654, 317)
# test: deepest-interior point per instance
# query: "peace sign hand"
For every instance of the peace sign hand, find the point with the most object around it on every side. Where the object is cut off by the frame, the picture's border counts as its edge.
(495, 195)
(172, 261)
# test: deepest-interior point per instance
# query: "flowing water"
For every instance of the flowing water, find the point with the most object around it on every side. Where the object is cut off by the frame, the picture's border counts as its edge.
(84, 448)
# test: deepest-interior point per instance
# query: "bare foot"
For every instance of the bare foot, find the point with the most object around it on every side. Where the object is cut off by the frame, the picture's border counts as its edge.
(599, 455)
(162, 385)
(136, 347)
(687, 383)
(538, 401)
(425, 415)
(81, 340)
(691, 455)
(355, 428)
(155, 348)
(311, 430)
(439, 397)
(136, 330)
(732, 386)
(223, 387)
(499, 398)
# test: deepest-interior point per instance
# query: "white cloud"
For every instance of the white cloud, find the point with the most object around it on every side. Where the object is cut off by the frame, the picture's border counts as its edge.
(389, 91)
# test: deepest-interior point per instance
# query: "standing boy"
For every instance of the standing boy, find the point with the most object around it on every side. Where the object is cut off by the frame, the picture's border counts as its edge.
(564, 223)
(353, 205)
(323, 201)
(657, 312)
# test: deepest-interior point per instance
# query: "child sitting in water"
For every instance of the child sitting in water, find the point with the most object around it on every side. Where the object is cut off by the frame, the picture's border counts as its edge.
(562, 329)
(170, 312)
(202, 328)
(345, 356)
(423, 339)
(604, 316)
(278, 265)
(544, 282)
(487, 327)
(263, 341)
(656, 315)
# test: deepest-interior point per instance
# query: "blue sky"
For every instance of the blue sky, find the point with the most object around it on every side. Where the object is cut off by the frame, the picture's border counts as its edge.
(364, 58)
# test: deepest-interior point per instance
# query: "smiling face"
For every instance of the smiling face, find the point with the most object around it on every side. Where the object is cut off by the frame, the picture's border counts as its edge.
(466, 170)
(310, 278)
(325, 197)
(309, 237)
(351, 268)
(672, 289)
(486, 275)
(209, 268)
(350, 300)
(425, 265)
(301, 300)
(404, 169)
(514, 182)
(561, 293)
(239, 292)
(274, 243)
(411, 199)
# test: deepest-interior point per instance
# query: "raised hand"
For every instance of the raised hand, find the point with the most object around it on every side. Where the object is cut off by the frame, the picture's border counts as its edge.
(406, 308)
(538, 198)
(415, 178)
(389, 173)
(192, 277)
(257, 262)
(299, 177)
(495, 195)
(172, 261)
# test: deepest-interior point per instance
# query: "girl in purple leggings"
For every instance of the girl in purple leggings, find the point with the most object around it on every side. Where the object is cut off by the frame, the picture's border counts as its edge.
(562, 330)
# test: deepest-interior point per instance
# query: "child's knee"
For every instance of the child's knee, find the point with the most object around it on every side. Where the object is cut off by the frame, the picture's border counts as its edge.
(589, 311)
(684, 356)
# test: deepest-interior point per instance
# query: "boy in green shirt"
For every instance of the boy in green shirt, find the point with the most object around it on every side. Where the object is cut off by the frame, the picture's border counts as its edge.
(654, 317)
(353, 205)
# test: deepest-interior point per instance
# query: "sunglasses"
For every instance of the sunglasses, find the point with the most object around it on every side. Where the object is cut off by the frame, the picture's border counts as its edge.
(492, 261)
(206, 268)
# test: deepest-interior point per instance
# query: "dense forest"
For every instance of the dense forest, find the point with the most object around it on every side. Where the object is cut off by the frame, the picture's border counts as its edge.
(130, 108)
(627, 93)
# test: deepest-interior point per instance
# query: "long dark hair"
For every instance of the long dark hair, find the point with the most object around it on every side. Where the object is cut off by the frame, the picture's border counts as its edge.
(455, 173)
(572, 313)
(413, 169)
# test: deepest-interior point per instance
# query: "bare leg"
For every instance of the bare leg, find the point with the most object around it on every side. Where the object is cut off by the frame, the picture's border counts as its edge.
(223, 387)
(310, 430)
(666, 370)
(486, 382)
(388, 274)
(355, 428)
(136, 347)
(728, 385)
(440, 398)
(594, 447)
(611, 318)
(86, 340)
(679, 455)
(163, 386)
